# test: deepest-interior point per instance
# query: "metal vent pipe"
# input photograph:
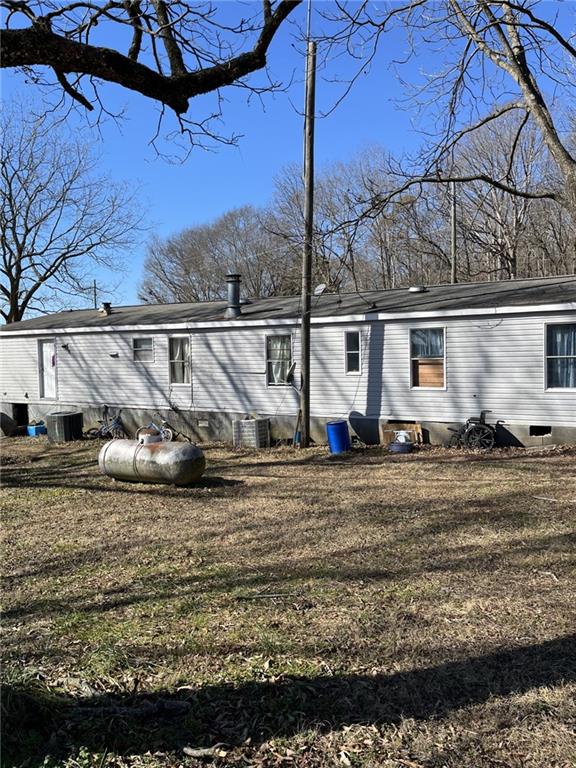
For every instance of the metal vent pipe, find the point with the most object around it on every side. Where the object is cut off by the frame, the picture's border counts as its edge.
(233, 309)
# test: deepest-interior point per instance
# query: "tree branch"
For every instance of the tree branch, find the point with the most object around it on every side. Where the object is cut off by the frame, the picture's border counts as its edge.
(543, 25)
(37, 45)
(76, 95)
(173, 52)
(133, 11)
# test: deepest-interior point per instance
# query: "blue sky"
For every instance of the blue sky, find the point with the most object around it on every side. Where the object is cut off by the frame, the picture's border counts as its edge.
(177, 195)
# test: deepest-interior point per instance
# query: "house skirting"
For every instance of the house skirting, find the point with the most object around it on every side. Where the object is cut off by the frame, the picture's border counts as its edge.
(208, 426)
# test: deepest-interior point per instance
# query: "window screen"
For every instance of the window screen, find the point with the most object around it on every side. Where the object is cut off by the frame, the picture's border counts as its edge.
(179, 360)
(427, 357)
(278, 359)
(561, 356)
(143, 349)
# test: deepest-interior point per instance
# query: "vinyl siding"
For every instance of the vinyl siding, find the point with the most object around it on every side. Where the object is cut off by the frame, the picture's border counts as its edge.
(492, 363)
(99, 368)
(19, 369)
(333, 392)
(230, 372)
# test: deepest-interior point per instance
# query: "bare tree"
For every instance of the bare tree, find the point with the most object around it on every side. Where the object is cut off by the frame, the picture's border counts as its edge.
(499, 235)
(407, 239)
(338, 248)
(552, 241)
(56, 216)
(495, 224)
(170, 52)
(497, 57)
(179, 268)
(192, 264)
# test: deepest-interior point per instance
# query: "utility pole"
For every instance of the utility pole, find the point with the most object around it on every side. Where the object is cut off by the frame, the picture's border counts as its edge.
(307, 253)
(95, 295)
(453, 232)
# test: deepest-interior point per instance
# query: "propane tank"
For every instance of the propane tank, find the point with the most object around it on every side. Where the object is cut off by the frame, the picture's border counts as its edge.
(161, 462)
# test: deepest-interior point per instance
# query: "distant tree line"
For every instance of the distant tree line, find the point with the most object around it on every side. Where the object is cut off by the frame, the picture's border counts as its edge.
(408, 241)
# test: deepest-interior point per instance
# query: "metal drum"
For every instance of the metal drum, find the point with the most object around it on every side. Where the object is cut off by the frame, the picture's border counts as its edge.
(172, 463)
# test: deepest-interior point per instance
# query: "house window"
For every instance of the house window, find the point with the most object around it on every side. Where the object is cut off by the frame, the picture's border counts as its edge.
(561, 356)
(143, 349)
(352, 341)
(179, 349)
(427, 357)
(278, 359)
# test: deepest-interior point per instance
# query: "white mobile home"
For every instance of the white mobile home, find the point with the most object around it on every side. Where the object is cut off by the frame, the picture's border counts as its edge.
(435, 355)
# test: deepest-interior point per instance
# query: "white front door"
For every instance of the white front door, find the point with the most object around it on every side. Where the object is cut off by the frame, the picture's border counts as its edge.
(47, 364)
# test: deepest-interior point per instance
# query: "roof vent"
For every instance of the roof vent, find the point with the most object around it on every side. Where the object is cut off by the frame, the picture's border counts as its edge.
(105, 308)
(417, 289)
(233, 309)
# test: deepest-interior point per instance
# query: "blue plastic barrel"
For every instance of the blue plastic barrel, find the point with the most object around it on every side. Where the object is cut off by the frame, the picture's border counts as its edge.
(338, 436)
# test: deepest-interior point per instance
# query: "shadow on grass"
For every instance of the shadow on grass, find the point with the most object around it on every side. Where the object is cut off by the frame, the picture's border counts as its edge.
(39, 722)
(348, 565)
(67, 476)
(365, 563)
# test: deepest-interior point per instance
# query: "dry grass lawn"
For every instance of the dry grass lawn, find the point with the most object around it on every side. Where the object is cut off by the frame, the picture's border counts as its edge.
(292, 610)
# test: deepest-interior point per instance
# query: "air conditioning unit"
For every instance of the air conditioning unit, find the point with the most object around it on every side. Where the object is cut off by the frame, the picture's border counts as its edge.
(251, 433)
